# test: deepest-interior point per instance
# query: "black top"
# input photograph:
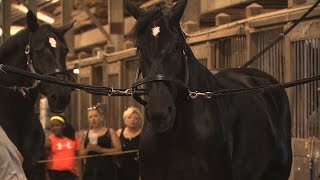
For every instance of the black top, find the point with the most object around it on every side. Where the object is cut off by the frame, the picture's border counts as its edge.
(129, 162)
(101, 167)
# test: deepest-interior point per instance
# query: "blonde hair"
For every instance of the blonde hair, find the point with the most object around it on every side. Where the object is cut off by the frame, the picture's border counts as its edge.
(130, 111)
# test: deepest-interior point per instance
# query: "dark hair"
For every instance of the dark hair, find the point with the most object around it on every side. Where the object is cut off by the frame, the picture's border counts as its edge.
(68, 130)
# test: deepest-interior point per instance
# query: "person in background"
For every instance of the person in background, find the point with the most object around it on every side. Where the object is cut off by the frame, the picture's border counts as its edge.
(62, 146)
(11, 160)
(99, 140)
(129, 138)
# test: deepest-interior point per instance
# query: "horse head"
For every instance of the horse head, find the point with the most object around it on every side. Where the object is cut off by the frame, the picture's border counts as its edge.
(46, 52)
(162, 62)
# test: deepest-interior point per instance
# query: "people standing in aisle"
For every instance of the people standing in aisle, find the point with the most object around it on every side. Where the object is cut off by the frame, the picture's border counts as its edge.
(62, 146)
(99, 140)
(129, 138)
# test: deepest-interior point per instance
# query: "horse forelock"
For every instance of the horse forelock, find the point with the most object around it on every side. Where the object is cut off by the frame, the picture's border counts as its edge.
(148, 16)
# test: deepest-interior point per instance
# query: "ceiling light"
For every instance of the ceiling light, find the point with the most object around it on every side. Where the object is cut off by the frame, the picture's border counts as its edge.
(40, 15)
(76, 71)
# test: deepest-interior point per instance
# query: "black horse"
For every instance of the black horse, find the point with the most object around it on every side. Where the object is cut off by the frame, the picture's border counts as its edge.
(39, 49)
(230, 137)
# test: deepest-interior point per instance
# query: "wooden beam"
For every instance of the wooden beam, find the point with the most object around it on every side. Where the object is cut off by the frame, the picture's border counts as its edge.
(208, 6)
(67, 7)
(5, 20)
(95, 21)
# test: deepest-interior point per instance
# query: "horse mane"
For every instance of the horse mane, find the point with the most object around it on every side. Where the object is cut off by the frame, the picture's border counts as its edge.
(17, 41)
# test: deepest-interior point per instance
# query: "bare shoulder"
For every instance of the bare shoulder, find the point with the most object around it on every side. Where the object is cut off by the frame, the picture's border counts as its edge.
(112, 130)
(119, 132)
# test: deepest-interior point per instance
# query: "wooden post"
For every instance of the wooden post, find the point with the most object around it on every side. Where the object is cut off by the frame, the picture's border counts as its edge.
(253, 10)
(116, 23)
(5, 19)
(222, 18)
(191, 18)
(67, 7)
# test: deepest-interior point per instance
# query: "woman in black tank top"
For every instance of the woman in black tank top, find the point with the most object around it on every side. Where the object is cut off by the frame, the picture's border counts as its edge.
(129, 138)
(99, 140)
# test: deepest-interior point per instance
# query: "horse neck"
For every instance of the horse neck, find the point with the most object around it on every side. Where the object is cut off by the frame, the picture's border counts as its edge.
(12, 54)
(200, 78)
(12, 50)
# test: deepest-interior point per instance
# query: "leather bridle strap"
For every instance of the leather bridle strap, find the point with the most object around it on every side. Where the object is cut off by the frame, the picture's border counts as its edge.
(156, 78)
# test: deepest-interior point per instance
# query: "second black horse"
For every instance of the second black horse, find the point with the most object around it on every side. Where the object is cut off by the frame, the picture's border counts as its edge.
(230, 137)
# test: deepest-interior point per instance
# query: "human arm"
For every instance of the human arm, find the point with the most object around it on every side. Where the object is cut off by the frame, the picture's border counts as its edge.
(47, 143)
(119, 132)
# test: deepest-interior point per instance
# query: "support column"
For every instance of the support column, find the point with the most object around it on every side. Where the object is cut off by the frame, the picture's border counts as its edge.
(67, 7)
(222, 18)
(5, 19)
(191, 18)
(252, 10)
(116, 23)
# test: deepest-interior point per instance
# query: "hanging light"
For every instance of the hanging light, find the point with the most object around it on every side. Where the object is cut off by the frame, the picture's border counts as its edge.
(76, 69)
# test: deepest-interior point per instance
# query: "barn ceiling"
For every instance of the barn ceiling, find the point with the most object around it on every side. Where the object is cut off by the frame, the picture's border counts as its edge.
(99, 8)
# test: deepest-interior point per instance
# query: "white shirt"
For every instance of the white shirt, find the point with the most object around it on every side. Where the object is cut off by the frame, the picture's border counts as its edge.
(10, 166)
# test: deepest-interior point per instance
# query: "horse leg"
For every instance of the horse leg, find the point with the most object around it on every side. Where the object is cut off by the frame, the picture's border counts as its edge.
(253, 144)
(38, 137)
(279, 168)
(32, 148)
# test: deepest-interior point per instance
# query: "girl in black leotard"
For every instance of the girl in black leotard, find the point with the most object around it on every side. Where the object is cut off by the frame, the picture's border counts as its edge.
(129, 138)
(99, 140)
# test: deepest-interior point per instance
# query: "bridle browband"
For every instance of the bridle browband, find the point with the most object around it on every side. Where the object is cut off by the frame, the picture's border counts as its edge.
(24, 90)
(181, 45)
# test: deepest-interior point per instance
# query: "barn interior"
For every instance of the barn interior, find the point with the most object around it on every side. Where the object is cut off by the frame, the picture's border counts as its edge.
(222, 34)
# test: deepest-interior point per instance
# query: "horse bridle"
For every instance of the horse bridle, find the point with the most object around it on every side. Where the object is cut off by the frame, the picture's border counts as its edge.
(161, 77)
(24, 90)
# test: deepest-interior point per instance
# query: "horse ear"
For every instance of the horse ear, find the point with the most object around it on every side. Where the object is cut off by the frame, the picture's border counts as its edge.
(133, 10)
(32, 21)
(178, 9)
(63, 29)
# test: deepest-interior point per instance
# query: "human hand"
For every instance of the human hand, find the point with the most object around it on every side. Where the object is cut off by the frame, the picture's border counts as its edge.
(91, 147)
(94, 147)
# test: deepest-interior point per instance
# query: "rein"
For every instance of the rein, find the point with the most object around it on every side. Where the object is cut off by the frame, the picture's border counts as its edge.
(100, 90)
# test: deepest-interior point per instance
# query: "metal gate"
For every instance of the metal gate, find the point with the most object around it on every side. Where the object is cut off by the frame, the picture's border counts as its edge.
(306, 98)
(272, 61)
(231, 52)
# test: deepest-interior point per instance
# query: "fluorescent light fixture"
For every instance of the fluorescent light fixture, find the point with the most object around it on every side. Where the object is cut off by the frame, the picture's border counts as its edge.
(13, 30)
(40, 15)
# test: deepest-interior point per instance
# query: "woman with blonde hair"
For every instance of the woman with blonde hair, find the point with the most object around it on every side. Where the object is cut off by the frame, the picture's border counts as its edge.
(129, 138)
